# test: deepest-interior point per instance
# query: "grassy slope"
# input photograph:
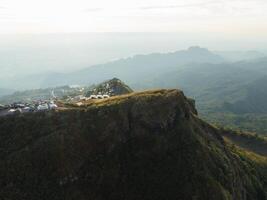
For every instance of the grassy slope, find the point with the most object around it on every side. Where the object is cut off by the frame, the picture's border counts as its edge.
(249, 141)
(147, 145)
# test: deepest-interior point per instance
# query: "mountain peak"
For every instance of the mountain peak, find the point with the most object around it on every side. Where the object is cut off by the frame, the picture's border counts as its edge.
(145, 145)
(112, 87)
(197, 49)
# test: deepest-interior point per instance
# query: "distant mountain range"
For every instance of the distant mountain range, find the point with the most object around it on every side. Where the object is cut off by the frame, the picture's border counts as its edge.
(234, 56)
(132, 70)
(4, 91)
(137, 69)
(255, 100)
(110, 87)
(224, 88)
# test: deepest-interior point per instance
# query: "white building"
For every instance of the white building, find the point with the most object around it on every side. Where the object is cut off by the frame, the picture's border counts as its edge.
(42, 107)
(52, 106)
(93, 97)
(105, 96)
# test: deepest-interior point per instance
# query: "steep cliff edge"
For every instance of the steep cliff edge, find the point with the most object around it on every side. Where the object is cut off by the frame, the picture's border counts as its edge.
(148, 145)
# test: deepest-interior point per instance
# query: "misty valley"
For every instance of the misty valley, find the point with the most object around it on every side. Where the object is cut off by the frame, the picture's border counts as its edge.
(228, 91)
(188, 124)
(133, 100)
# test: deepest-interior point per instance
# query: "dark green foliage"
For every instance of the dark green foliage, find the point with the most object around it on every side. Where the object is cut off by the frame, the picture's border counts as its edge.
(255, 100)
(247, 122)
(148, 145)
(249, 141)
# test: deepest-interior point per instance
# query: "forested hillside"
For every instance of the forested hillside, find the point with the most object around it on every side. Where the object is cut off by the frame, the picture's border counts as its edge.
(148, 145)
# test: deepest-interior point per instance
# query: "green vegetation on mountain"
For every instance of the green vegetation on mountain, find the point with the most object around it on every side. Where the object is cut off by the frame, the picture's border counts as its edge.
(247, 122)
(227, 91)
(244, 109)
(147, 145)
(249, 141)
(254, 101)
(111, 87)
(231, 94)
(37, 94)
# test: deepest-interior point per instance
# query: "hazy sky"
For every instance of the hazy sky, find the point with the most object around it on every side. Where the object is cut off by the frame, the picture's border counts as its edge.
(233, 17)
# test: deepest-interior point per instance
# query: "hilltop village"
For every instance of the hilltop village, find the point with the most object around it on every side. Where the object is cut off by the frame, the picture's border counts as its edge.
(43, 105)
(54, 101)
(21, 107)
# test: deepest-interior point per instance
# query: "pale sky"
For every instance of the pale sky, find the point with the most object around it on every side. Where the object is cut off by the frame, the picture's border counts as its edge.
(233, 17)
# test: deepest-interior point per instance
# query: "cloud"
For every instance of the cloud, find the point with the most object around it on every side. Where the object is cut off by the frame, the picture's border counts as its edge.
(179, 6)
(93, 9)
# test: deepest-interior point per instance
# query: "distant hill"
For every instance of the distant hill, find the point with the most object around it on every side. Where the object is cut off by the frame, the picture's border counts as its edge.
(141, 67)
(231, 94)
(132, 70)
(4, 91)
(235, 56)
(223, 90)
(149, 145)
(255, 100)
(245, 108)
(111, 87)
(206, 82)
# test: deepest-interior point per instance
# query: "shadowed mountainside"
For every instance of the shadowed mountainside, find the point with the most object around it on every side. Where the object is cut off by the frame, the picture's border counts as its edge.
(148, 145)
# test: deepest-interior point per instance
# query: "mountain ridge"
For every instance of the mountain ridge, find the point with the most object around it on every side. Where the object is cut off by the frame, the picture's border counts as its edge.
(144, 145)
(123, 68)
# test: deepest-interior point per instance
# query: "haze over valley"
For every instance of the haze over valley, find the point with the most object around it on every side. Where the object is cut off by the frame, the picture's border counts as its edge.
(228, 86)
(133, 100)
(28, 56)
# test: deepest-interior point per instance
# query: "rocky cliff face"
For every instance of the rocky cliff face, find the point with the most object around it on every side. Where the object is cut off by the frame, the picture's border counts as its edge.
(148, 145)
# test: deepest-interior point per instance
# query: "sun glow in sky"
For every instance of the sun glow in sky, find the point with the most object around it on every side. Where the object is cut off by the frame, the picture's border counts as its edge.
(57, 16)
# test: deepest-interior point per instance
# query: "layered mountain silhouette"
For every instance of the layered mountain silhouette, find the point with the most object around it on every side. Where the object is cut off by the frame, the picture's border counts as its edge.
(227, 92)
(132, 69)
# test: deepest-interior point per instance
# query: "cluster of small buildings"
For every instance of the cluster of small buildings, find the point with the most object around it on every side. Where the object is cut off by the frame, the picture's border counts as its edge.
(80, 99)
(83, 98)
(45, 105)
(35, 106)
(99, 96)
